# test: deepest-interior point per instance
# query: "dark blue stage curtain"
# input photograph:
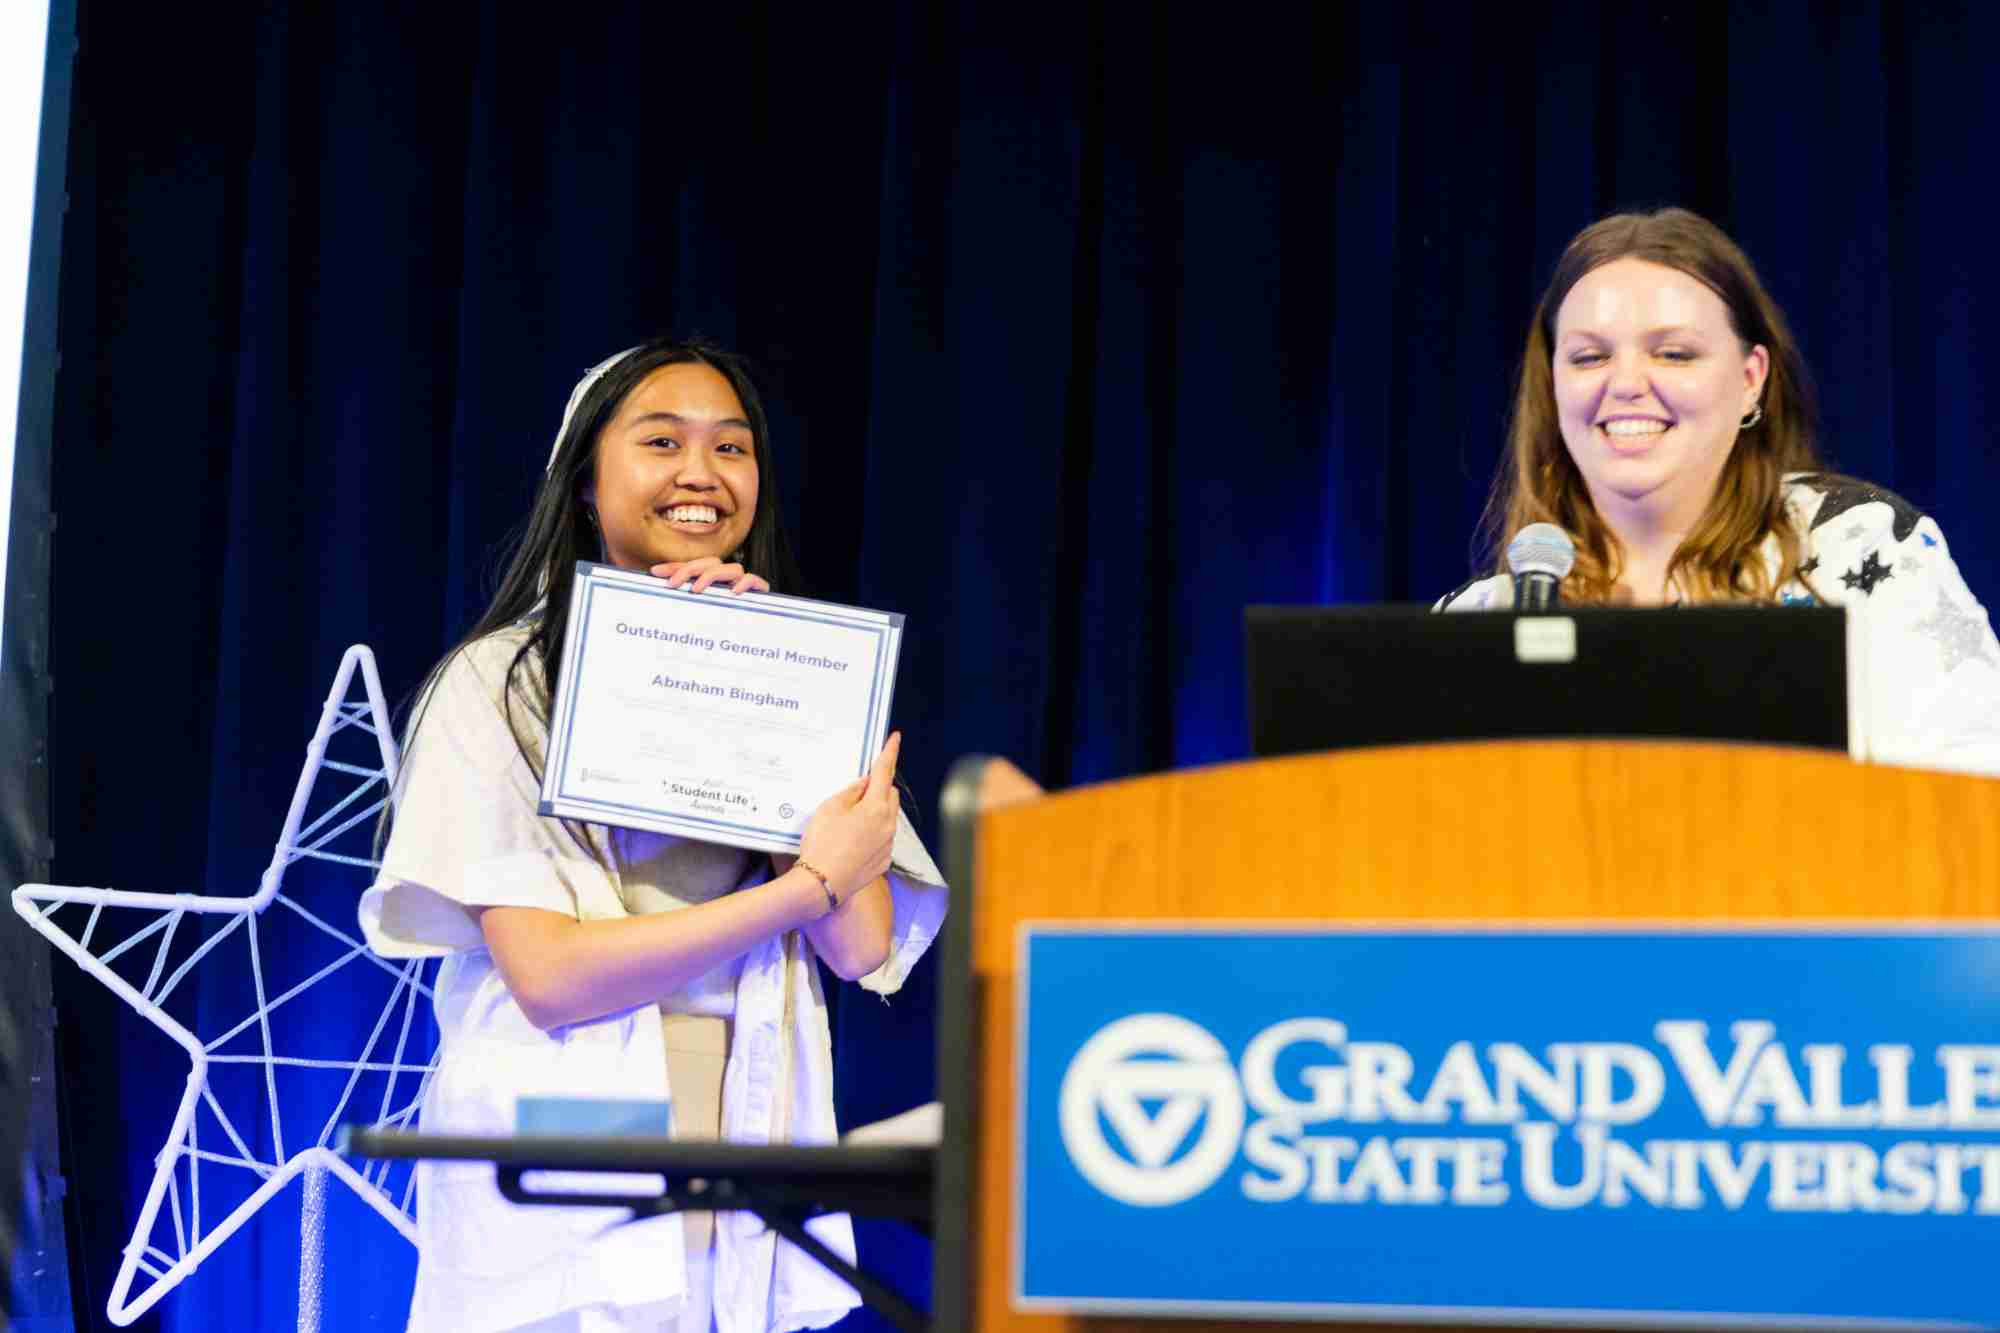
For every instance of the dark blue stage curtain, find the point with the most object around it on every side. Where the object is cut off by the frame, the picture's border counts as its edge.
(1082, 329)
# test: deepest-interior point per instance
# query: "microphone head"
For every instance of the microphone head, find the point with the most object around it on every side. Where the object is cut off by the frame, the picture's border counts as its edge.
(1541, 548)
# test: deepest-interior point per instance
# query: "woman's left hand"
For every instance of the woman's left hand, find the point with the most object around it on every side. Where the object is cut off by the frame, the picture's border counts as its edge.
(699, 575)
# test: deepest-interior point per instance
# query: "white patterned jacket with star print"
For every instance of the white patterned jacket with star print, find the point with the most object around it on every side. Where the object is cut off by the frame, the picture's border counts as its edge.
(1931, 676)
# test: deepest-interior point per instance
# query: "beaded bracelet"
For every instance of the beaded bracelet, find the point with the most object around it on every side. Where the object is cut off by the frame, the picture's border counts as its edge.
(826, 886)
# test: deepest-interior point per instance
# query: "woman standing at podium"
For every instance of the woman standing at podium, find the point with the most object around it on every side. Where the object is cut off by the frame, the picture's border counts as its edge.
(1664, 420)
(584, 961)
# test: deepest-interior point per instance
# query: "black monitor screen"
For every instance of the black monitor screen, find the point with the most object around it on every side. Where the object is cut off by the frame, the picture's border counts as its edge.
(1328, 678)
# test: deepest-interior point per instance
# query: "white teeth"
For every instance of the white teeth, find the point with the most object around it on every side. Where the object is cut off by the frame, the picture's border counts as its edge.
(692, 514)
(1634, 427)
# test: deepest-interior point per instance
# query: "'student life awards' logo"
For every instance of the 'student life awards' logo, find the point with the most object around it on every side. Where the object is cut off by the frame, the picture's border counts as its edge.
(1151, 1078)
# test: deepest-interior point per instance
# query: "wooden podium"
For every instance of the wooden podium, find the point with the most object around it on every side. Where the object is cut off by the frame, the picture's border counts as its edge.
(1625, 833)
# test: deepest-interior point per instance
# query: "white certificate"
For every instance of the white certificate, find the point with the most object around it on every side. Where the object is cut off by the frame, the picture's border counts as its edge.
(723, 718)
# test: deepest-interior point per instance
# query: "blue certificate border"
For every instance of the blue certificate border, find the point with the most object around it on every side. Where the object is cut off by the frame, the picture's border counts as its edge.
(557, 797)
(1027, 932)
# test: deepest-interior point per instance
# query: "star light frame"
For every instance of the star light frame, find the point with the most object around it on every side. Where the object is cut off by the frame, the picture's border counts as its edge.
(37, 904)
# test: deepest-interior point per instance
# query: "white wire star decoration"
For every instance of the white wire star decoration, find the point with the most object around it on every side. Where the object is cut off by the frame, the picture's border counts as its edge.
(228, 1150)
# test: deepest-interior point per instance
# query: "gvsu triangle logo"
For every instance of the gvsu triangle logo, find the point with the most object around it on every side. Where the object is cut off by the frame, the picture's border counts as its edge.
(1151, 1079)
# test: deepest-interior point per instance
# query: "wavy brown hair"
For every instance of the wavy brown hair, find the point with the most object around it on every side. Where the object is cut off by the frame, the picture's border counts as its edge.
(1722, 558)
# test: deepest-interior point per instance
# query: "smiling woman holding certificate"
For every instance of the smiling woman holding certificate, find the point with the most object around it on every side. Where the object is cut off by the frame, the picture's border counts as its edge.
(589, 961)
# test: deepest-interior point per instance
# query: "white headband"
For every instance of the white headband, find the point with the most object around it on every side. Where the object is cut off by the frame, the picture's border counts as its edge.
(590, 377)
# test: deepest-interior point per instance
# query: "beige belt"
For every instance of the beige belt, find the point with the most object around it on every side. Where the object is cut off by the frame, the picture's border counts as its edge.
(697, 1050)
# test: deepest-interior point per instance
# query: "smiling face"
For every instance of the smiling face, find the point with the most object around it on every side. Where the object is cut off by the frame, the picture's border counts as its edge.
(1651, 382)
(675, 475)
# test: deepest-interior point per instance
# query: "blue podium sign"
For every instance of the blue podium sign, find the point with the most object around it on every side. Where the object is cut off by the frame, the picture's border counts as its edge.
(1781, 1128)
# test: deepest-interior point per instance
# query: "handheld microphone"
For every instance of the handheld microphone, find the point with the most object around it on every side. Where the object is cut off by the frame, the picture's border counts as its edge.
(1541, 556)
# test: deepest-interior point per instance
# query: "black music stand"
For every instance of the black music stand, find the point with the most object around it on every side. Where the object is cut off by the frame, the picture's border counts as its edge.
(784, 1186)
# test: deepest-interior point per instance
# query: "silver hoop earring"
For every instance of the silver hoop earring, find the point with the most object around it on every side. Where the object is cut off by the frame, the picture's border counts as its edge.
(1755, 415)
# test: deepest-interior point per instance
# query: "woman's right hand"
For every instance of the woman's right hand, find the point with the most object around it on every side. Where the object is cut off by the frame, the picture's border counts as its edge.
(851, 835)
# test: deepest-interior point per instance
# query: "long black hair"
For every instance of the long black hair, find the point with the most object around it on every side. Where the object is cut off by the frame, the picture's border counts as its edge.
(560, 530)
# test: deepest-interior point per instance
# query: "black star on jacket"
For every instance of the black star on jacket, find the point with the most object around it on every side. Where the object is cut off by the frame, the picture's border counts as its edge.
(1871, 572)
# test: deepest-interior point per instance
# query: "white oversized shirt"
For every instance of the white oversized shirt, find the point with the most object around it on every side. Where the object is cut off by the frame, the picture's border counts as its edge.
(1929, 668)
(467, 836)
